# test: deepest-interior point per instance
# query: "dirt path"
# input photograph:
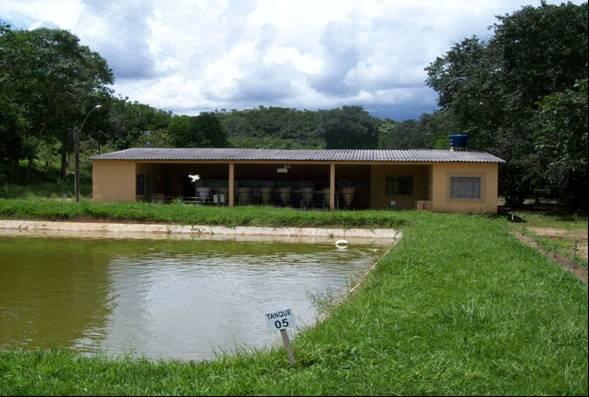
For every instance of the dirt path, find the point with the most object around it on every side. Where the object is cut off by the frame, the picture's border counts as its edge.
(561, 234)
(567, 264)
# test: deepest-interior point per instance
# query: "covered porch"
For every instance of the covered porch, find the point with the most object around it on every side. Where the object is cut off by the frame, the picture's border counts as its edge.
(305, 185)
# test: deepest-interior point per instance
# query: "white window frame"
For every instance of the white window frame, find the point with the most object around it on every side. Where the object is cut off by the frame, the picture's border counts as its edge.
(466, 177)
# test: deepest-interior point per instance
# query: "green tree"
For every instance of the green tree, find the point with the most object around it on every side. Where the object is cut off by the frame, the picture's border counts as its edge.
(11, 142)
(203, 130)
(429, 131)
(561, 140)
(51, 82)
(494, 88)
(272, 127)
(349, 127)
(133, 124)
(209, 130)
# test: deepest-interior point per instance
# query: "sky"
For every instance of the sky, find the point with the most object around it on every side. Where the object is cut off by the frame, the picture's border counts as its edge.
(189, 56)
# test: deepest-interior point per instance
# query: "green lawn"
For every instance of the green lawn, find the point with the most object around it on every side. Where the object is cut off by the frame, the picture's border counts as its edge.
(177, 212)
(458, 307)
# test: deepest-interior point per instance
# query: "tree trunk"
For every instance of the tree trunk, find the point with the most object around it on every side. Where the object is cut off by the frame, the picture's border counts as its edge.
(64, 162)
(29, 169)
(14, 170)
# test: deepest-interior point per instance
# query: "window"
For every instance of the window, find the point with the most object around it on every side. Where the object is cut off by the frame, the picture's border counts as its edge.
(140, 185)
(465, 187)
(399, 185)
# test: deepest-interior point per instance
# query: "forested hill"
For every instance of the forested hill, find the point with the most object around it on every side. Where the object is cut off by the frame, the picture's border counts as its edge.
(347, 127)
(272, 127)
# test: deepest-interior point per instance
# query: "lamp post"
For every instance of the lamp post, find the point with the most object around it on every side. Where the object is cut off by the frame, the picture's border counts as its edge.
(77, 151)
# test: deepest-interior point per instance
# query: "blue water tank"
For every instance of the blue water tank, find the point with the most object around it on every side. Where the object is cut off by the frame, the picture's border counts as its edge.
(458, 141)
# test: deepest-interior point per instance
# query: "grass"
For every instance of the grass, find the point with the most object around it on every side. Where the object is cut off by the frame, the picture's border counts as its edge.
(36, 208)
(567, 221)
(458, 307)
(564, 247)
(41, 190)
(571, 223)
(37, 185)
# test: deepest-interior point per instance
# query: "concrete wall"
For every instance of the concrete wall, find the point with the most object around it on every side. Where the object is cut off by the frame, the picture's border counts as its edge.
(113, 180)
(421, 185)
(441, 174)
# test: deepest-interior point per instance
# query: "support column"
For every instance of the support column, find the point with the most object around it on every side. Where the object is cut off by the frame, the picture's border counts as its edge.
(231, 186)
(332, 186)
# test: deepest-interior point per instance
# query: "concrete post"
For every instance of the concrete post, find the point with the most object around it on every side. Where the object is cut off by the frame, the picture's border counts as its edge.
(332, 186)
(231, 186)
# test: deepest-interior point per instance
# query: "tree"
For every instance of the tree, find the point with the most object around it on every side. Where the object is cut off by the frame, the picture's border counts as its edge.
(51, 82)
(349, 127)
(430, 131)
(133, 124)
(494, 88)
(203, 130)
(272, 127)
(561, 139)
(11, 142)
(210, 130)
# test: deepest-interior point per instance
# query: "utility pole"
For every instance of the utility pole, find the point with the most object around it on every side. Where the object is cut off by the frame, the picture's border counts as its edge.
(77, 152)
(77, 163)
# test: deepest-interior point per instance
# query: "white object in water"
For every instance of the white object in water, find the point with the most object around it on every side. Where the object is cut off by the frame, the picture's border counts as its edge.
(194, 177)
(342, 244)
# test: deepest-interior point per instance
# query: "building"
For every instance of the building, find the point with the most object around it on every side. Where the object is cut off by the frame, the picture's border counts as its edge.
(438, 180)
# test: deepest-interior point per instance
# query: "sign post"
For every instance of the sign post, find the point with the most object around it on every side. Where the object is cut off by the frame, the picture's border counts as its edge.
(282, 320)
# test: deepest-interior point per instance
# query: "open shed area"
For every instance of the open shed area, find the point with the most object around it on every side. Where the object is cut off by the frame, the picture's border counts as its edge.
(439, 180)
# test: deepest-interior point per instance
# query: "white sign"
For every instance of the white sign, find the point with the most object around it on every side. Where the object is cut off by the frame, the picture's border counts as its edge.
(281, 319)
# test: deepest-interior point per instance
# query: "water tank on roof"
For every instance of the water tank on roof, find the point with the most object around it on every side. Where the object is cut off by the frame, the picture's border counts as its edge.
(458, 141)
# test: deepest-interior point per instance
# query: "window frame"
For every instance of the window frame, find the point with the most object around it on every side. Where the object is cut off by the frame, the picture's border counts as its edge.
(480, 190)
(391, 193)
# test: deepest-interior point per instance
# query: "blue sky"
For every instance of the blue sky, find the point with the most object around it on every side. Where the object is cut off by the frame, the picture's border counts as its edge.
(189, 56)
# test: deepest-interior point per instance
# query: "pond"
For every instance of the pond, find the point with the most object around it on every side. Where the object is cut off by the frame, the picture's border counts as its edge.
(163, 298)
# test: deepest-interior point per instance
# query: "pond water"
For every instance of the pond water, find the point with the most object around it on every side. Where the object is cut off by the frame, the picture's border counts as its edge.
(162, 298)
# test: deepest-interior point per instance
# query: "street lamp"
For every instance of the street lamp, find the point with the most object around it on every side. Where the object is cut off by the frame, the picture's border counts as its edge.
(77, 151)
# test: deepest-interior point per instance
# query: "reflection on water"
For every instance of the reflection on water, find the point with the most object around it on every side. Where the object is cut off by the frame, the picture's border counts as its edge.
(161, 299)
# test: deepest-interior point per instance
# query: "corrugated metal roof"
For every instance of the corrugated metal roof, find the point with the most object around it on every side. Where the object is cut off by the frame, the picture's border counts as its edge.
(360, 155)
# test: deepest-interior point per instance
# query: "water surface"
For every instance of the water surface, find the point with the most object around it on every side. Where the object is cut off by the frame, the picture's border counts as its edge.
(162, 299)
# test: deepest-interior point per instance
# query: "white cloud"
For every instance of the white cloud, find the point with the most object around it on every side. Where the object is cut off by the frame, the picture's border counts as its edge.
(188, 56)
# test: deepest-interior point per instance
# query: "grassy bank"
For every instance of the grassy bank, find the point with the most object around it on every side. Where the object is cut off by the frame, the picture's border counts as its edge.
(562, 234)
(458, 307)
(37, 208)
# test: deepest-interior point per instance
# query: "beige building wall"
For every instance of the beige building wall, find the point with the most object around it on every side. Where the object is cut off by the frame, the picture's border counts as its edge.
(440, 187)
(113, 180)
(421, 185)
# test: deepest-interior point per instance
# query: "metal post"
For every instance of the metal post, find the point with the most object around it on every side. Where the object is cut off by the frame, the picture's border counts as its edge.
(77, 152)
(288, 347)
(77, 163)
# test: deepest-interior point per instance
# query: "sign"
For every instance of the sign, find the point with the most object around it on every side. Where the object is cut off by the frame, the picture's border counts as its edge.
(281, 319)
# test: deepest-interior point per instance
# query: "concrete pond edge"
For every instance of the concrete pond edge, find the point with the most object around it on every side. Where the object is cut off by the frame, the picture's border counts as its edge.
(158, 231)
